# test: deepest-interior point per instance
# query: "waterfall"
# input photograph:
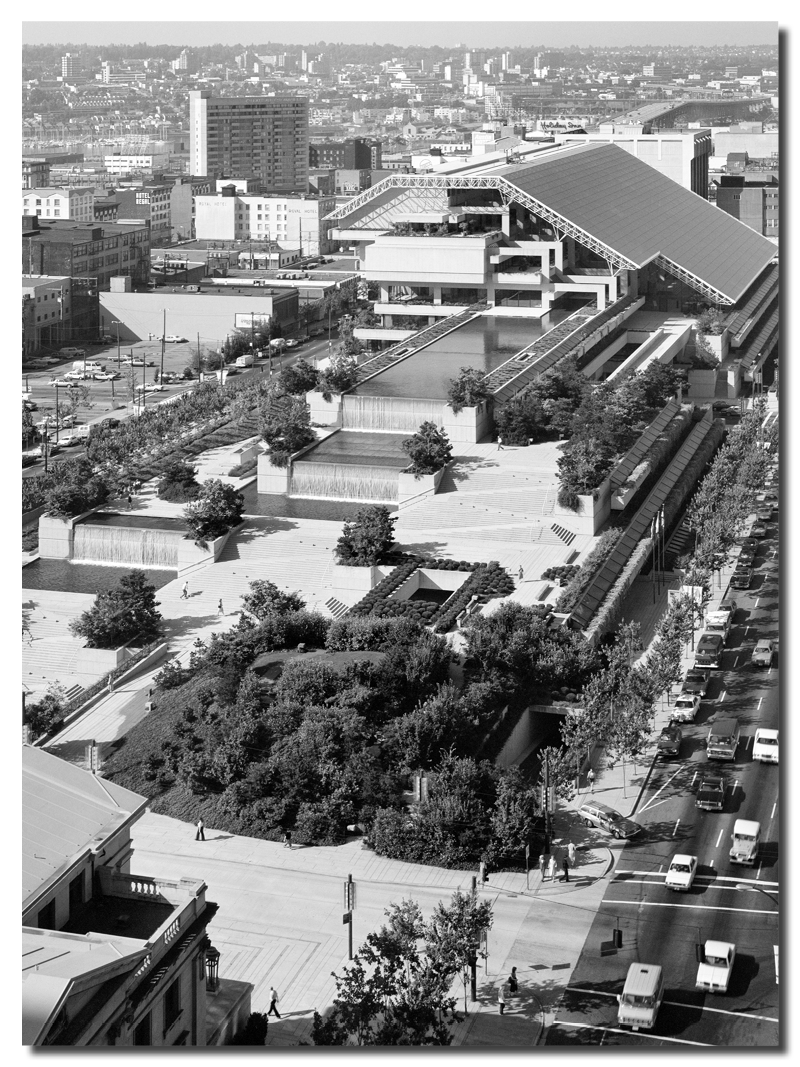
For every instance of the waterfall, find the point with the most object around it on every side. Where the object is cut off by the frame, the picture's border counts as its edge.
(342, 481)
(389, 414)
(127, 545)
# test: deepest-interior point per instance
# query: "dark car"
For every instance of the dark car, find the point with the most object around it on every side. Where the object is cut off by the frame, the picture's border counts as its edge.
(711, 793)
(596, 814)
(669, 741)
(742, 578)
(696, 681)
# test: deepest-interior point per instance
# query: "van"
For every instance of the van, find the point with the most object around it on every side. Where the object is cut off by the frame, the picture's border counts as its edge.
(723, 739)
(641, 996)
(709, 650)
(745, 840)
(245, 361)
(719, 622)
(91, 366)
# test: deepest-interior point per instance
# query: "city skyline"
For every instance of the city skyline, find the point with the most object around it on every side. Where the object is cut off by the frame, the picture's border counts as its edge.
(488, 34)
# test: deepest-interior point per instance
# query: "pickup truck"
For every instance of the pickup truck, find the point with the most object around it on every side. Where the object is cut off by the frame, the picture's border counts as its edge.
(723, 739)
(745, 840)
(714, 973)
(711, 793)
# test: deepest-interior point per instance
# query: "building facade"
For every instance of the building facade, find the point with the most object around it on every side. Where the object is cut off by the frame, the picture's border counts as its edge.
(91, 251)
(47, 312)
(263, 137)
(109, 957)
(150, 201)
(355, 154)
(293, 222)
(756, 203)
(75, 203)
(182, 203)
(35, 173)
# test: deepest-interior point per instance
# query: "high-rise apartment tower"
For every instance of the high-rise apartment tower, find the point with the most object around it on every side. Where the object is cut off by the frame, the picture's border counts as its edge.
(260, 137)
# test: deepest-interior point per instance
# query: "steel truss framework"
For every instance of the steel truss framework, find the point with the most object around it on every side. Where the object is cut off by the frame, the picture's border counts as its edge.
(508, 191)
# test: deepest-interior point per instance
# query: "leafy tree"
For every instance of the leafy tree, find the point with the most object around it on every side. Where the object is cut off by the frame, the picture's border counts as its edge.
(79, 489)
(429, 449)
(467, 390)
(178, 482)
(299, 379)
(512, 818)
(46, 713)
(265, 598)
(704, 357)
(455, 930)
(217, 508)
(341, 375)
(121, 615)
(29, 432)
(367, 538)
(255, 1030)
(285, 426)
(581, 469)
(710, 320)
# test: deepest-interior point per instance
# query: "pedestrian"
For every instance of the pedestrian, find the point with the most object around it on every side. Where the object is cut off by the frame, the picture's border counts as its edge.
(571, 853)
(220, 609)
(551, 869)
(273, 1002)
(201, 827)
(590, 779)
(521, 574)
(483, 873)
(542, 864)
(499, 443)
(130, 501)
(513, 984)
(501, 997)
(565, 868)
(287, 839)
(185, 591)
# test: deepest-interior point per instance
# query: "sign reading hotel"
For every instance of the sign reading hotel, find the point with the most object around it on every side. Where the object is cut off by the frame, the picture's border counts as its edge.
(560, 126)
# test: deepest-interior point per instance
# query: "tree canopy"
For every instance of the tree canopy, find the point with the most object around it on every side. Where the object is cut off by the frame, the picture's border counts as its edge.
(121, 615)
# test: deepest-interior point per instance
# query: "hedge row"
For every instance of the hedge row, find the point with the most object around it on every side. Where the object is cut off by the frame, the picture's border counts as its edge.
(565, 573)
(486, 582)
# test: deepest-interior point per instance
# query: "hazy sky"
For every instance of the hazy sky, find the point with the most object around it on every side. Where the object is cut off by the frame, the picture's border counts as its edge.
(198, 30)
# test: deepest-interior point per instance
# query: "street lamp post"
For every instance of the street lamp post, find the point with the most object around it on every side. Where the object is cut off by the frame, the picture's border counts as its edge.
(163, 343)
(745, 887)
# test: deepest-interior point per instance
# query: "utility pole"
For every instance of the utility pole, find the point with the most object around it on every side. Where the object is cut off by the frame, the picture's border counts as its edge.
(163, 345)
(349, 908)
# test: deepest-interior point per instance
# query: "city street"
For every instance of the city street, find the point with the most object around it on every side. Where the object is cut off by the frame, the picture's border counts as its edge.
(664, 927)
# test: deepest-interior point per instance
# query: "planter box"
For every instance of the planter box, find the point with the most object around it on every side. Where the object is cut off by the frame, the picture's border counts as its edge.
(347, 579)
(100, 660)
(593, 510)
(702, 384)
(411, 488)
(271, 479)
(469, 426)
(324, 412)
(190, 554)
(57, 535)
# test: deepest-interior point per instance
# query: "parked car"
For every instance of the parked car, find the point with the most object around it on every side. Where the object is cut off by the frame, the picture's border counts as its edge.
(758, 529)
(764, 512)
(765, 745)
(748, 550)
(711, 793)
(696, 681)
(669, 741)
(67, 440)
(762, 654)
(61, 381)
(595, 814)
(729, 604)
(742, 578)
(292, 343)
(714, 973)
(106, 376)
(681, 872)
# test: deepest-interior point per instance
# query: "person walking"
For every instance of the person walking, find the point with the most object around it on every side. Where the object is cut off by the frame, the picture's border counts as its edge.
(590, 779)
(499, 449)
(483, 875)
(565, 868)
(287, 839)
(521, 574)
(130, 501)
(513, 984)
(273, 1002)
(220, 608)
(201, 827)
(501, 997)
(571, 852)
(185, 591)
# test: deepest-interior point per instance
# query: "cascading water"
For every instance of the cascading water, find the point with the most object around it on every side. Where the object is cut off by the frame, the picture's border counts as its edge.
(127, 545)
(389, 414)
(341, 481)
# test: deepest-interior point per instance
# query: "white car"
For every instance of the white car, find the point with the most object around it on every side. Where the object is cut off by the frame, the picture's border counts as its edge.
(765, 745)
(762, 654)
(106, 376)
(175, 338)
(686, 707)
(292, 343)
(714, 973)
(681, 872)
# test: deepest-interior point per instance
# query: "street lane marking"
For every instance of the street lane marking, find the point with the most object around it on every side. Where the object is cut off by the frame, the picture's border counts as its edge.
(719, 878)
(696, 907)
(709, 882)
(772, 814)
(719, 838)
(721, 697)
(736, 781)
(640, 1033)
(672, 1004)
(661, 790)
(694, 777)
(758, 705)
(677, 824)
(756, 603)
